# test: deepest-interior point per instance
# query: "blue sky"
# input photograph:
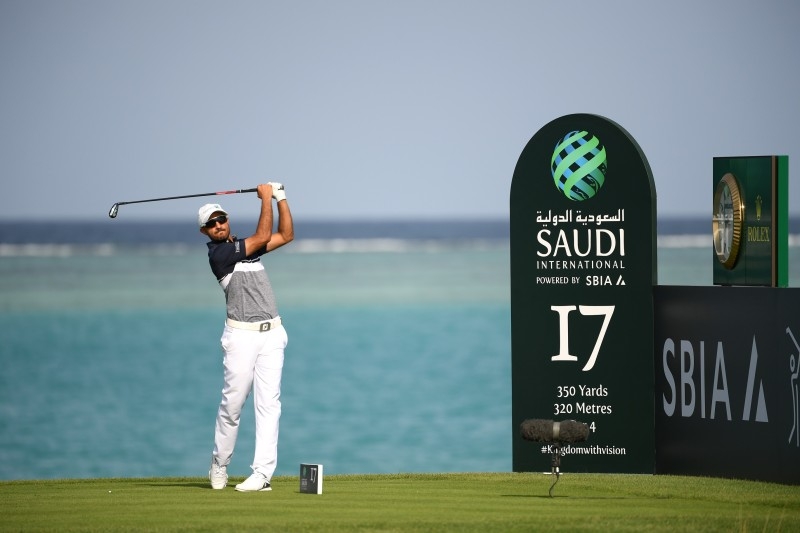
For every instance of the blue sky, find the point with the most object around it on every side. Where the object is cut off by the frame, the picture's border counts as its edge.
(375, 109)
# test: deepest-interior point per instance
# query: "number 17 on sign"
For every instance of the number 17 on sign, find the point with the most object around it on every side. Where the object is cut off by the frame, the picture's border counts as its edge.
(563, 328)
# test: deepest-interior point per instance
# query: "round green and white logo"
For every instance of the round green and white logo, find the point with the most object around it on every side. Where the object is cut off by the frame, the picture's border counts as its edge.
(578, 165)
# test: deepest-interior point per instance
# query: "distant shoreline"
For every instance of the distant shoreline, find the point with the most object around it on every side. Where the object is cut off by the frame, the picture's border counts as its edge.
(671, 231)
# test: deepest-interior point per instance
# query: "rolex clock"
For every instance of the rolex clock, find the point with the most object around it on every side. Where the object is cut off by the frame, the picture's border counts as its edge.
(750, 222)
(728, 220)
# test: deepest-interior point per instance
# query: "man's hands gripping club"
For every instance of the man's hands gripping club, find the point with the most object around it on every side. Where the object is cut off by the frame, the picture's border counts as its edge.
(272, 189)
(278, 192)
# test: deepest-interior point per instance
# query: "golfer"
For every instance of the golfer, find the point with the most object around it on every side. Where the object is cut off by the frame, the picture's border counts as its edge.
(253, 339)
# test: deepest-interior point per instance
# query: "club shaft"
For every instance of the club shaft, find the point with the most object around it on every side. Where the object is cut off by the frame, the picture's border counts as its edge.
(187, 196)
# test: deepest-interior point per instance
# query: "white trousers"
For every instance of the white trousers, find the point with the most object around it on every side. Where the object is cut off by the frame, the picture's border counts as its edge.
(253, 360)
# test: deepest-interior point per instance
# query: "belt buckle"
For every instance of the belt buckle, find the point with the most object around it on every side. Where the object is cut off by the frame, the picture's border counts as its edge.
(265, 326)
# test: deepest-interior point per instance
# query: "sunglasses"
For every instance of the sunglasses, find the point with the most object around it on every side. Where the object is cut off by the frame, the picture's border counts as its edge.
(212, 222)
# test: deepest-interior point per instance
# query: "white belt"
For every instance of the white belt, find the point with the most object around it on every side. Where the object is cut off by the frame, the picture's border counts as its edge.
(255, 326)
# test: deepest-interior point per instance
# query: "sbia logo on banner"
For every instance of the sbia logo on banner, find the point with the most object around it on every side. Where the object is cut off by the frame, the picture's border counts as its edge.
(692, 390)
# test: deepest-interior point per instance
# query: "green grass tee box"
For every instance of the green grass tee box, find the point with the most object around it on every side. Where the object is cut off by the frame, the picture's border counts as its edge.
(405, 502)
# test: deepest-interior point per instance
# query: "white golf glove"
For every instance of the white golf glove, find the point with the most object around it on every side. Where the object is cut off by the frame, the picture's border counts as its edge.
(277, 191)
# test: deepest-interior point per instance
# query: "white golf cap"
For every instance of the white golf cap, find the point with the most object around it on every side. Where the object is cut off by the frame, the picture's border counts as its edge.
(206, 211)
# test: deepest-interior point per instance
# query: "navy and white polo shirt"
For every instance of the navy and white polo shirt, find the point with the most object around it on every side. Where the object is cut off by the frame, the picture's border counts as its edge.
(248, 291)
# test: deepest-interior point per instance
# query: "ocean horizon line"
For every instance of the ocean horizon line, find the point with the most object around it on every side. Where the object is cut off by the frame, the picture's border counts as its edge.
(99, 237)
(317, 246)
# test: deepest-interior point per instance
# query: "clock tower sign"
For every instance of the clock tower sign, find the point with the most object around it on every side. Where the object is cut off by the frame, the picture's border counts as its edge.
(750, 221)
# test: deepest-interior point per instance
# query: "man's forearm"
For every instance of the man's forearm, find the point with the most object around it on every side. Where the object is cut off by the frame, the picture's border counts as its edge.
(285, 223)
(264, 227)
(263, 233)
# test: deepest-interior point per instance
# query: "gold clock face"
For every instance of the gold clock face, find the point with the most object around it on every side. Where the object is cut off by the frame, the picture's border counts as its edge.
(728, 220)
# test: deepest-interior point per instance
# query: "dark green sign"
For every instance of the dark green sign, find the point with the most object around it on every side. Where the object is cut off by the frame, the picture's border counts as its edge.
(750, 221)
(583, 263)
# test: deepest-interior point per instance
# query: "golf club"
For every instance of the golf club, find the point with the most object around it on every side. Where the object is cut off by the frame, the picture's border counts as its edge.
(112, 213)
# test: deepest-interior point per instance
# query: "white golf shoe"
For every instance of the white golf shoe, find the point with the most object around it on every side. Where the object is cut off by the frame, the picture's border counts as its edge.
(254, 483)
(218, 476)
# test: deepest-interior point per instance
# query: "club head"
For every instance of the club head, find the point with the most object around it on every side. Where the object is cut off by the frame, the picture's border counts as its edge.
(112, 213)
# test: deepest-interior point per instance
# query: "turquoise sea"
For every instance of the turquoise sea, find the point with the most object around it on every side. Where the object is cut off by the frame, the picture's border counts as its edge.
(398, 357)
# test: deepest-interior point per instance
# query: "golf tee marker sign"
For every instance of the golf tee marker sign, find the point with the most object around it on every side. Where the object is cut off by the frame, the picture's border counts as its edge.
(583, 266)
(311, 478)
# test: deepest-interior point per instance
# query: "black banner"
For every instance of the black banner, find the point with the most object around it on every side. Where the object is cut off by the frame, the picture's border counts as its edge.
(726, 361)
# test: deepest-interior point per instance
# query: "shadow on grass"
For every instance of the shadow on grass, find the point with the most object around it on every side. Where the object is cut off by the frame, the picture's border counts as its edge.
(189, 484)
